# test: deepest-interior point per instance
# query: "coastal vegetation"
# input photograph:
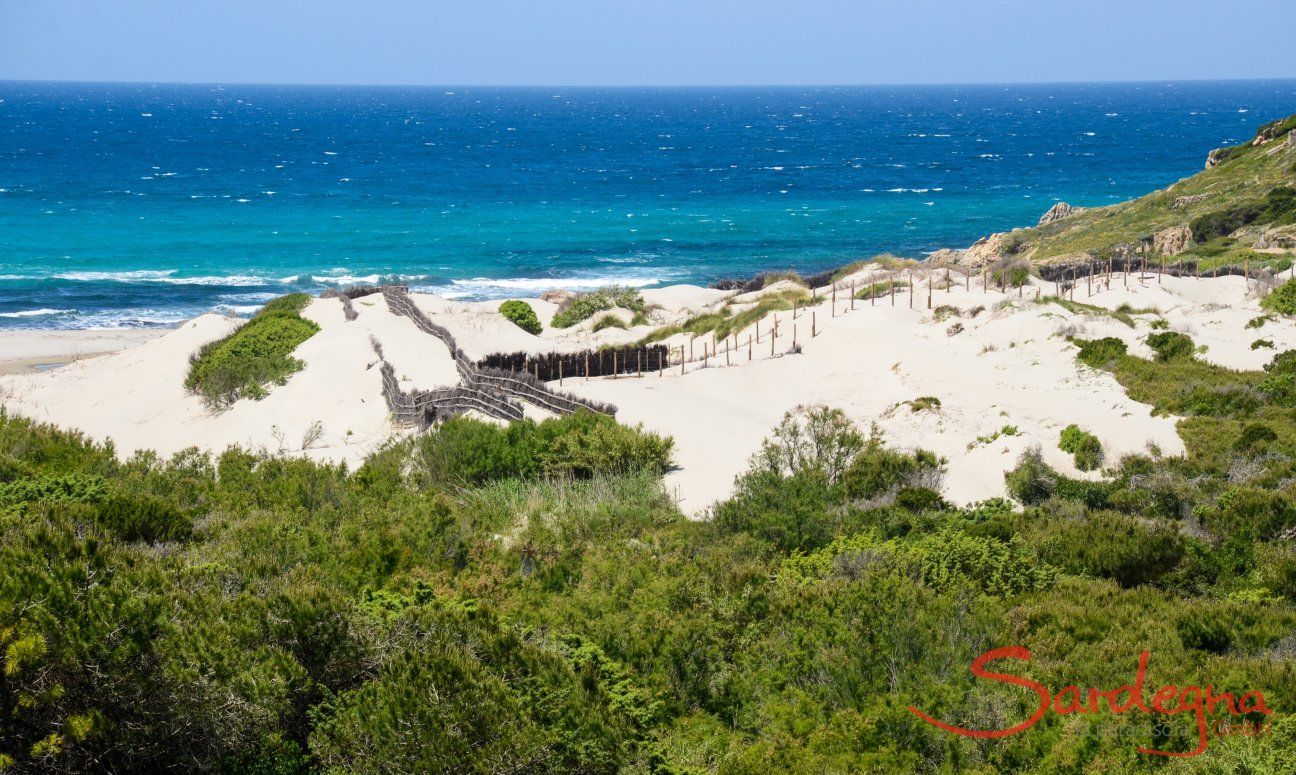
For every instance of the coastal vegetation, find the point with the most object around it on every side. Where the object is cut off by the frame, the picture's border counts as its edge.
(528, 594)
(1083, 445)
(583, 306)
(1223, 211)
(520, 314)
(254, 356)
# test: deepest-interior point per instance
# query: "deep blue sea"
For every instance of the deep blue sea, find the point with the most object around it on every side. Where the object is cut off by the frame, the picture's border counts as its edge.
(141, 204)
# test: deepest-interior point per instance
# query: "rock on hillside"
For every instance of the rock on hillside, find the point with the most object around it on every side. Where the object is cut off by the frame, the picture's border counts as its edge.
(1057, 212)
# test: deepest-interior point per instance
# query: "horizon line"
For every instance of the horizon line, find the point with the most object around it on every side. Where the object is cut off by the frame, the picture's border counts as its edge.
(326, 84)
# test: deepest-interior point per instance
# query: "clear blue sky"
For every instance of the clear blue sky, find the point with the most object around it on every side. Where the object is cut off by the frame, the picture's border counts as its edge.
(629, 42)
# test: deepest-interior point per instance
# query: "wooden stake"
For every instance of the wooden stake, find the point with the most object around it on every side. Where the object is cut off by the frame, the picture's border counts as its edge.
(587, 364)
(639, 363)
(910, 289)
(929, 290)
(560, 362)
(682, 361)
(794, 336)
(834, 299)
(813, 329)
(852, 294)
(749, 347)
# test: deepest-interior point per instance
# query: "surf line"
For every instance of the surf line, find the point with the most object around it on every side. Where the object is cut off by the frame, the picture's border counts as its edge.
(1201, 701)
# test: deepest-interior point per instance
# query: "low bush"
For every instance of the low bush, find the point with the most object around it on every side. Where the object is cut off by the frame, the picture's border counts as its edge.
(1171, 346)
(135, 517)
(1110, 545)
(877, 471)
(463, 451)
(1281, 299)
(1266, 344)
(521, 315)
(1100, 353)
(585, 305)
(1084, 446)
(257, 354)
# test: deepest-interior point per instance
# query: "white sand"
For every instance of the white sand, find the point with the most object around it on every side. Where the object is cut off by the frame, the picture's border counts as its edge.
(24, 351)
(1009, 366)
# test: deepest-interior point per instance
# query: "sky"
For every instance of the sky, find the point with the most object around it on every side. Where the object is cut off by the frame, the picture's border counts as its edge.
(644, 42)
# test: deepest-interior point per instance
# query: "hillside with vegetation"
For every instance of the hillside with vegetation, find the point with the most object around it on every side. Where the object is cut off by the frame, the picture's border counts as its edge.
(527, 598)
(1241, 208)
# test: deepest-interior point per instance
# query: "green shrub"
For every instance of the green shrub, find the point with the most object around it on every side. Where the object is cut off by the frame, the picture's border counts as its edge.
(1262, 343)
(789, 512)
(1171, 346)
(1259, 511)
(1085, 446)
(257, 354)
(57, 488)
(464, 451)
(521, 315)
(136, 517)
(585, 305)
(1281, 299)
(1115, 546)
(1100, 353)
(877, 471)
(1255, 437)
(925, 404)
(813, 438)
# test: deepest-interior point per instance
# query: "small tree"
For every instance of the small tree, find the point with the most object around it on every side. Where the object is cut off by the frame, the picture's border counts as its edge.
(811, 438)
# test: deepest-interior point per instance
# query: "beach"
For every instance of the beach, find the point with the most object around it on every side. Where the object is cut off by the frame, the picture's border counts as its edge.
(997, 362)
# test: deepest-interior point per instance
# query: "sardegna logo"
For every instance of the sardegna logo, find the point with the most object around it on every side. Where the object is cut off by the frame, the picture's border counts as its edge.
(1169, 700)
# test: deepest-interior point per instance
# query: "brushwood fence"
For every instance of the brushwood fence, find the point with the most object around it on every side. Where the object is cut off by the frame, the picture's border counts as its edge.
(612, 361)
(489, 390)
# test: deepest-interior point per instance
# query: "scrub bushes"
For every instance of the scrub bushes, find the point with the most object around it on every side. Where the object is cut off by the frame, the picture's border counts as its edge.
(257, 354)
(521, 315)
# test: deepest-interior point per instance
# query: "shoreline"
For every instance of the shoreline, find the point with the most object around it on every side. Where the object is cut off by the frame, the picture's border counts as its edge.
(37, 350)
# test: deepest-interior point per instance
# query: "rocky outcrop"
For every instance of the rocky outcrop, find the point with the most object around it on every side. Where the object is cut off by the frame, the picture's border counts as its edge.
(987, 250)
(1217, 156)
(946, 256)
(1181, 202)
(1278, 237)
(1057, 212)
(1172, 241)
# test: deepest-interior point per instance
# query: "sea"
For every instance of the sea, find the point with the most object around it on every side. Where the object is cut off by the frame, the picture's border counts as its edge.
(136, 205)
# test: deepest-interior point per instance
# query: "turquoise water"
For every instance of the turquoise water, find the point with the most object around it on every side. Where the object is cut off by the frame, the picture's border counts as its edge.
(138, 205)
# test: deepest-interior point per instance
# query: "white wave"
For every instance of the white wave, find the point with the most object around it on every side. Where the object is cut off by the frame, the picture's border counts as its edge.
(247, 297)
(347, 279)
(238, 309)
(163, 276)
(33, 313)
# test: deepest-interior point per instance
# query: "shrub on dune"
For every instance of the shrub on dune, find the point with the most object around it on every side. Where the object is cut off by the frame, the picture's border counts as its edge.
(257, 354)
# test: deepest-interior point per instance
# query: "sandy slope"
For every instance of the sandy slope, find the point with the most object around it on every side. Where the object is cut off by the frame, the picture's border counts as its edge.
(1009, 365)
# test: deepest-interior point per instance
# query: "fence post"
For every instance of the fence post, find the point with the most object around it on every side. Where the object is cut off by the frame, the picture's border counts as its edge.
(639, 363)
(929, 289)
(794, 309)
(726, 351)
(749, 347)
(757, 330)
(587, 364)
(659, 364)
(834, 299)
(985, 280)
(560, 362)
(682, 361)
(705, 355)
(910, 289)
(794, 336)
(813, 329)
(891, 288)
(773, 339)
(615, 371)
(852, 294)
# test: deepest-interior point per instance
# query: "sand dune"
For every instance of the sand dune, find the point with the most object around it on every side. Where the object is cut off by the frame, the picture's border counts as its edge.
(993, 360)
